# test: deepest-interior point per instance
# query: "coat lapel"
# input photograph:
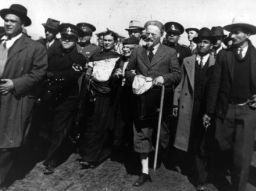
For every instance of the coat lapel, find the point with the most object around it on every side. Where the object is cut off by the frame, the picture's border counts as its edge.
(157, 57)
(18, 46)
(144, 57)
(253, 67)
(189, 66)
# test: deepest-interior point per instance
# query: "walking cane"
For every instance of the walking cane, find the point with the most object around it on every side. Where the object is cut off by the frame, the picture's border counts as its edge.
(159, 126)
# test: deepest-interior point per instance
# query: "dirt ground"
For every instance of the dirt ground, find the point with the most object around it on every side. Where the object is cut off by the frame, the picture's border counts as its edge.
(109, 176)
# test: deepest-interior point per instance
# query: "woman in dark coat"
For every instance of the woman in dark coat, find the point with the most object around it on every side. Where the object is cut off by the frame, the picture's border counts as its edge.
(62, 94)
(99, 103)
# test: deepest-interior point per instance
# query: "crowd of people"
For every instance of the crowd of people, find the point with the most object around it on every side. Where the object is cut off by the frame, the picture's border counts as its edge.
(68, 95)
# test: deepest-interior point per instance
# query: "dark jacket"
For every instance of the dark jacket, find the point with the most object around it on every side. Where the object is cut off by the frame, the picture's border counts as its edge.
(26, 66)
(221, 83)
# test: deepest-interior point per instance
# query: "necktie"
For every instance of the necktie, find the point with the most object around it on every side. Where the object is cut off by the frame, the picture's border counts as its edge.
(4, 44)
(240, 53)
(150, 54)
(201, 63)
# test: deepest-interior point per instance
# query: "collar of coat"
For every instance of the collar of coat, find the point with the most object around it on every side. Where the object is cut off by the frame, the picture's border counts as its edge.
(189, 66)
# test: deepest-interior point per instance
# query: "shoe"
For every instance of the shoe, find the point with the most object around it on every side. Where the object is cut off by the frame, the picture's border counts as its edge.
(201, 187)
(48, 170)
(86, 165)
(142, 179)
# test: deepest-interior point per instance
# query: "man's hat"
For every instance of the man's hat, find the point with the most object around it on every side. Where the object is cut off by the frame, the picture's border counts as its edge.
(69, 29)
(218, 32)
(135, 25)
(192, 29)
(18, 10)
(52, 24)
(131, 40)
(241, 23)
(205, 33)
(87, 28)
(174, 28)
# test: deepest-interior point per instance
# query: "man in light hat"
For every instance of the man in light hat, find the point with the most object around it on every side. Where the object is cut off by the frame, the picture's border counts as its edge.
(189, 100)
(135, 28)
(232, 92)
(218, 33)
(23, 65)
(173, 32)
(157, 65)
(51, 29)
(84, 45)
(192, 33)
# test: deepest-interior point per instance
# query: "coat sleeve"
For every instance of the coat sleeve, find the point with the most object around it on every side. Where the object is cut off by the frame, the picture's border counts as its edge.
(129, 74)
(26, 82)
(177, 90)
(214, 85)
(173, 77)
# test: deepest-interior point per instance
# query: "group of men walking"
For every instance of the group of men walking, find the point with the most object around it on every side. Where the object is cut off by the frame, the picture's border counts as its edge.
(75, 95)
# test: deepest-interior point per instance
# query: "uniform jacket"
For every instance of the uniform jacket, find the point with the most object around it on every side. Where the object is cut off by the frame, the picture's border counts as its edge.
(26, 66)
(184, 99)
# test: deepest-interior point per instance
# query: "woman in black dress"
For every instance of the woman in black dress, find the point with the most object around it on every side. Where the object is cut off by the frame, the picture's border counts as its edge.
(95, 143)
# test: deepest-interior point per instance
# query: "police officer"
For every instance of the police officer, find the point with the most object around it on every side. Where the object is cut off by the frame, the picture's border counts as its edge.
(173, 32)
(84, 45)
(62, 94)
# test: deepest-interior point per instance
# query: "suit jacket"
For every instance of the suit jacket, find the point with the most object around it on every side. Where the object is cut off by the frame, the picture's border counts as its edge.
(164, 63)
(50, 51)
(221, 83)
(184, 99)
(26, 66)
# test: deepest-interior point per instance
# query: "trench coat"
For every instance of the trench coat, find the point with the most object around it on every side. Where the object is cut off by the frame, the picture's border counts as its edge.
(184, 99)
(26, 66)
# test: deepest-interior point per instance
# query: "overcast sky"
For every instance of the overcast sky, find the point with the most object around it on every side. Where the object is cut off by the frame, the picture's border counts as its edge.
(116, 14)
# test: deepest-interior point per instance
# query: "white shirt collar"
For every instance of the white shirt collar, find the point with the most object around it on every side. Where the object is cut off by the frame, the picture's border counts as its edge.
(10, 42)
(155, 48)
(244, 50)
(204, 58)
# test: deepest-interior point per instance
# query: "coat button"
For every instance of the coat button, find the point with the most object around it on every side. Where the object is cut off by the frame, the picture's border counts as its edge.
(182, 107)
(186, 94)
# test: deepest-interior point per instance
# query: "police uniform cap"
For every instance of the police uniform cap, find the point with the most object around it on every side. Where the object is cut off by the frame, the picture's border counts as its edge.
(69, 29)
(192, 29)
(131, 40)
(174, 28)
(87, 28)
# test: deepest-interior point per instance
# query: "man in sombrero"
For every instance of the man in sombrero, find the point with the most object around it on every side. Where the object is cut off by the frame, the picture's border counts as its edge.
(232, 92)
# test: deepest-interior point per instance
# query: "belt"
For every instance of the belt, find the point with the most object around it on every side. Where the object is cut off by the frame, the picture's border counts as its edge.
(240, 104)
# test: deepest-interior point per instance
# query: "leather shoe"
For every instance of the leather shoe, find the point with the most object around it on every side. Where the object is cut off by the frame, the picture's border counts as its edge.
(201, 187)
(87, 165)
(142, 179)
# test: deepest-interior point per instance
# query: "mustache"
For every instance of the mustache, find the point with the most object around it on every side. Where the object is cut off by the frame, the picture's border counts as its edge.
(148, 40)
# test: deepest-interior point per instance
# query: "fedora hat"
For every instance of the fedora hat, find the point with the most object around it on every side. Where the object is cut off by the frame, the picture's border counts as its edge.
(241, 23)
(52, 24)
(135, 25)
(18, 10)
(205, 33)
(218, 32)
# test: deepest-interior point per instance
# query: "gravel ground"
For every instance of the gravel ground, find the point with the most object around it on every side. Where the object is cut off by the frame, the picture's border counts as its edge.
(109, 176)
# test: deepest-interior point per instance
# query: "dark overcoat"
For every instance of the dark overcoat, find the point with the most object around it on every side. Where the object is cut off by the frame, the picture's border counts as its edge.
(26, 66)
